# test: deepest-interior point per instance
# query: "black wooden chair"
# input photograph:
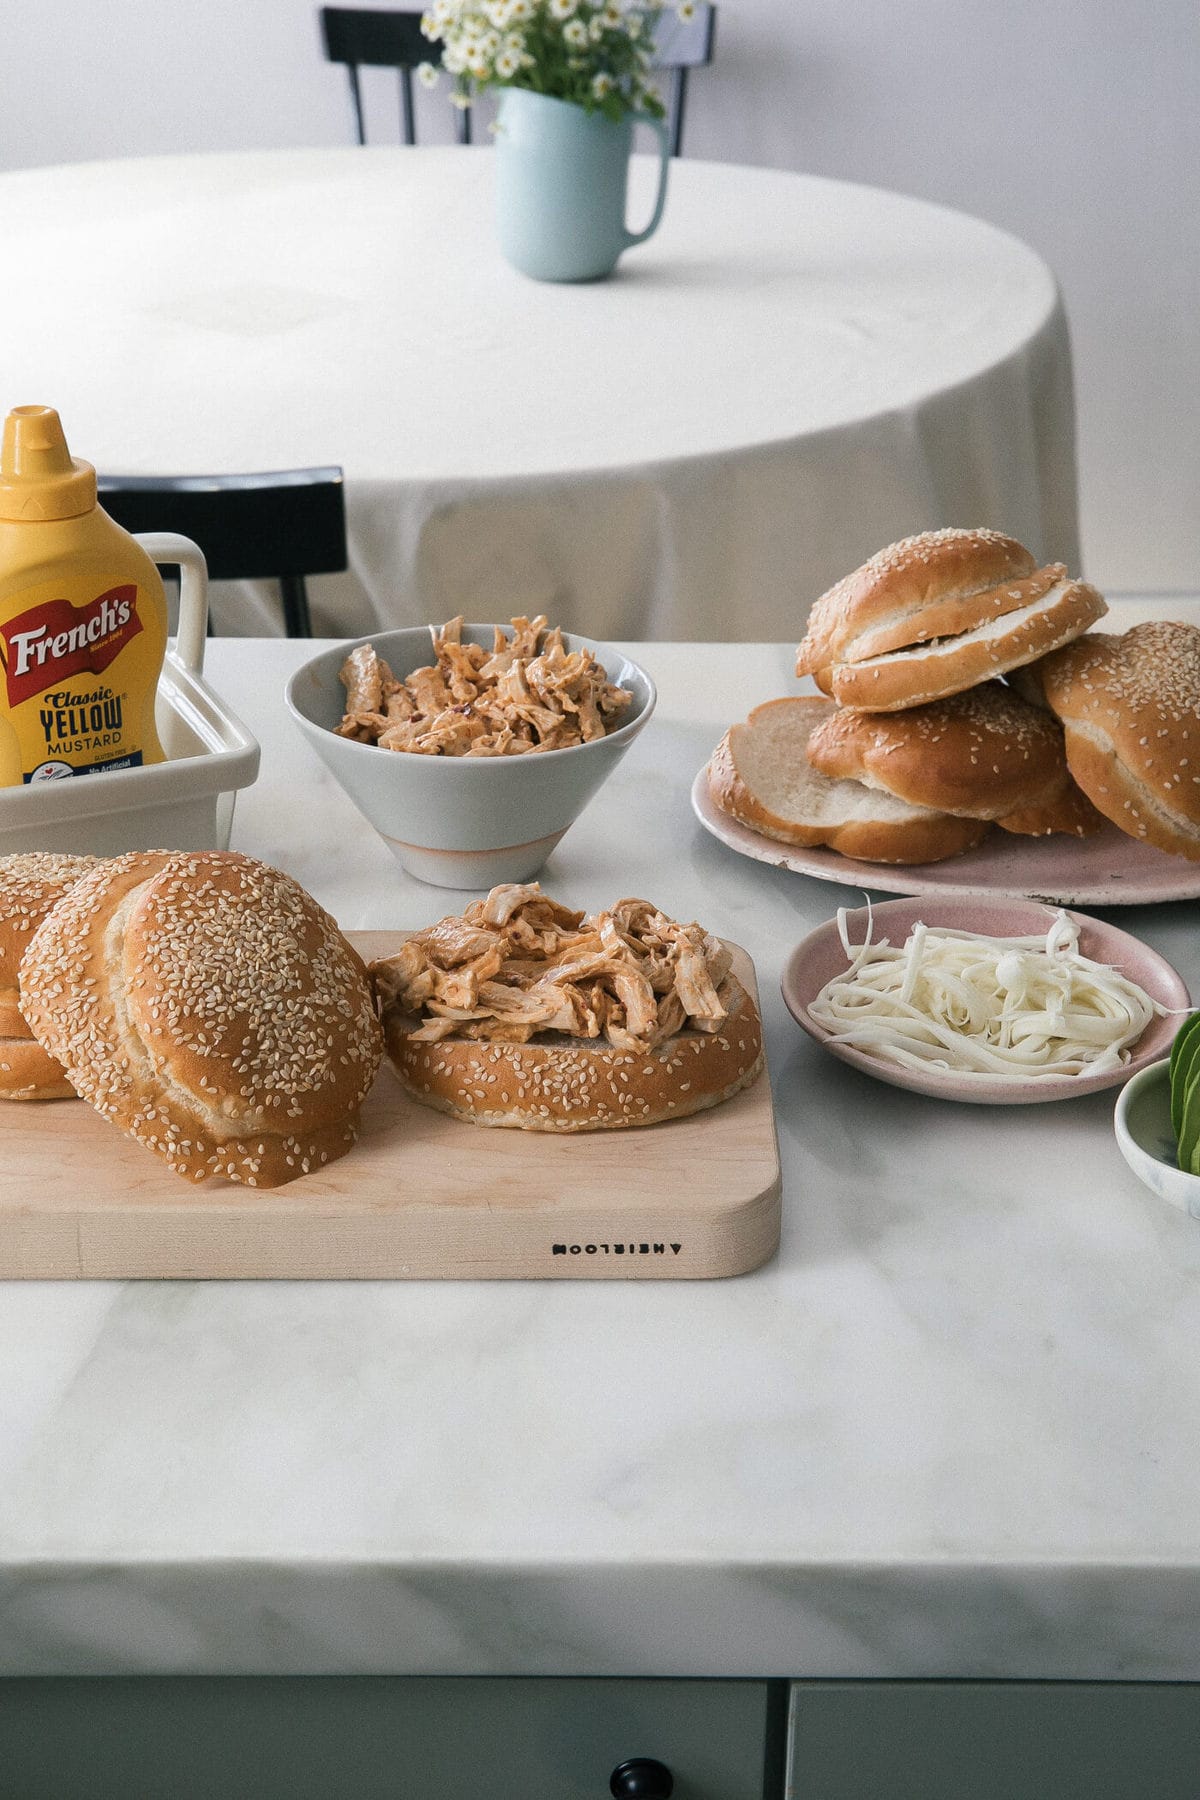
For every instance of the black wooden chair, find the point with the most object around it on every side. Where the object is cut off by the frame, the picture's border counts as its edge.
(278, 527)
(680, 47)
(388, 40)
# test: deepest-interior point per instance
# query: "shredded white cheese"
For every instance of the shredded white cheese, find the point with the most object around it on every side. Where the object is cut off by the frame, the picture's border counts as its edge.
(1019, 1008)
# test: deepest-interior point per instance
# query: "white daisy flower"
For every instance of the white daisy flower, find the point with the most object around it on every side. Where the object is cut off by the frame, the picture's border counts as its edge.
(507, 65)
(562, 9)
(498, 13)
(686, 10)
(521, 10)
(427, 75)
(633, 27)
(462, 101)
(602, 85)
(429, 25)
(613, 18)
(596, 28)
(575, 33)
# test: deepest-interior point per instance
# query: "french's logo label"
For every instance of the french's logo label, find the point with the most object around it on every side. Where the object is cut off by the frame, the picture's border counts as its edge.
(43, 647)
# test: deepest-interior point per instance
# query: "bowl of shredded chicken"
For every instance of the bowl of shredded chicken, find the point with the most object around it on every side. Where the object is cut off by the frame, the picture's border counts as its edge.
(471, 748)
(988, 1000)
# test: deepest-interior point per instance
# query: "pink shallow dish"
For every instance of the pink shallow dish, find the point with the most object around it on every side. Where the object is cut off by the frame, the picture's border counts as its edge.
(820, 957)
(1109, 869)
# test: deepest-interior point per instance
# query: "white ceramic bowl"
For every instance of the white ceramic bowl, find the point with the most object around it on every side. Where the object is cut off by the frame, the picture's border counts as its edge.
(462, 821)
(1143, 1126)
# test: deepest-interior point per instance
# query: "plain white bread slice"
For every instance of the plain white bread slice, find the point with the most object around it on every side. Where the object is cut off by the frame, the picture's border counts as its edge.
(949, 665)
(760, 775)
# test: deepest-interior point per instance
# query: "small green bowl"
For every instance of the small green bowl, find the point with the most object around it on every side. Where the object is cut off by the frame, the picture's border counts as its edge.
(1147, 1142)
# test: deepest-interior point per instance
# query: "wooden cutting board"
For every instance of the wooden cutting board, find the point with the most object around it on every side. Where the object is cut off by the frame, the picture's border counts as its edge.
(421, 1196)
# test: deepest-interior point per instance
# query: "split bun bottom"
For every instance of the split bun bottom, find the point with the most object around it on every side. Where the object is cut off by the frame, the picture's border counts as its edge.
(761, 775)
(27, 1072)
(580, 1084)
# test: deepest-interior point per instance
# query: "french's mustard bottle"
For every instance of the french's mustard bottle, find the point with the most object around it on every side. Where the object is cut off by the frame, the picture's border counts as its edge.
(83, 617)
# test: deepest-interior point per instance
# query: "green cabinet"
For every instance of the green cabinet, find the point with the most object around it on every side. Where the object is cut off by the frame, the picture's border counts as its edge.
(993, 1740)
(373, 1738)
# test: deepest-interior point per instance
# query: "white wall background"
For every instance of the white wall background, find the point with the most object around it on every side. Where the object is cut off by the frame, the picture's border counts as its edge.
(1073, 123)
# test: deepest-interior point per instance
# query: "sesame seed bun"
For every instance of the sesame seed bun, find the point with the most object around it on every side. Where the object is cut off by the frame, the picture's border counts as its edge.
(1066, 812)
(1058, 612)
(761, 775)
(580, 1084)
(30, 885)
(937, 583)
(936, 614)
(1130, 710)
(980, 755)
(209, 1007)
(27, 1072)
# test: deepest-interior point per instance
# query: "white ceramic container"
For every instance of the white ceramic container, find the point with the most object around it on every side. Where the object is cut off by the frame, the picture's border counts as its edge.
(1143, 1127)
(457, 821)
(184, 803)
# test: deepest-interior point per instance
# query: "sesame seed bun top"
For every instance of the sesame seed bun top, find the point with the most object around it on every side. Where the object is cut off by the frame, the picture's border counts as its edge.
(982, 754)
(207, 1005)
(30, 885)
(911, 591)
(1130, 708)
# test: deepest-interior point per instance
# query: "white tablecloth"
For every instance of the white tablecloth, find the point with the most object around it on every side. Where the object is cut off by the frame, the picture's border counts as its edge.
(791, 374)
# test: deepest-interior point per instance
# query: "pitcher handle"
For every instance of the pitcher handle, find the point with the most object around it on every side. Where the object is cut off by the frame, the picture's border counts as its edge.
(664, 150)
(169, 547)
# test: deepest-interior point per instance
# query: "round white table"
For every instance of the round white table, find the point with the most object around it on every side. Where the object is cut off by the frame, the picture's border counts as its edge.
(792, 373)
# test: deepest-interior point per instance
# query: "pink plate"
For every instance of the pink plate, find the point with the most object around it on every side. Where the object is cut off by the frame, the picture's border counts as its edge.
(1109, 869)
(820, 957)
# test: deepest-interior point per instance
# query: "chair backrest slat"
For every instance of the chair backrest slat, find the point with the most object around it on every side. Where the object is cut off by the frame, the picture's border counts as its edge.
(388, 40)
(250, 527)
(364, 38)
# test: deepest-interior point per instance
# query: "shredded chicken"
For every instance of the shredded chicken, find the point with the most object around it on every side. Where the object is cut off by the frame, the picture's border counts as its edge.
(517, 964)
(528, 692)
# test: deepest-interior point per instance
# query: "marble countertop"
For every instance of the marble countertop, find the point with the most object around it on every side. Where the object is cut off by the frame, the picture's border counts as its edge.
(950, 1431)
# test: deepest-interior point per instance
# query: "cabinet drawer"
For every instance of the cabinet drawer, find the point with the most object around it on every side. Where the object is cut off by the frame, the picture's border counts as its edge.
(373, 1738)
(864, 1740)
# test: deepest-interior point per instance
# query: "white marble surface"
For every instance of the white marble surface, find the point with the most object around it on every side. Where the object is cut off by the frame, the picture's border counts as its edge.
(951, 1430)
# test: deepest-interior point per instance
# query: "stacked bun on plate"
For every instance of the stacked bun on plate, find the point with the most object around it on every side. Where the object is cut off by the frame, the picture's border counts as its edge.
(952, 664)
(1130, 708)
(935, 615)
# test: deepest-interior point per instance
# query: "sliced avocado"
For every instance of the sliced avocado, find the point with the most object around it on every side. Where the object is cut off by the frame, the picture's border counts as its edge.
(1188, 1135)
(1187, 1039)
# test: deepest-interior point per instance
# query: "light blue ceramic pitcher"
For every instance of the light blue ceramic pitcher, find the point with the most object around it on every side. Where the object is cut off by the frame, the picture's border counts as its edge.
(561, 176)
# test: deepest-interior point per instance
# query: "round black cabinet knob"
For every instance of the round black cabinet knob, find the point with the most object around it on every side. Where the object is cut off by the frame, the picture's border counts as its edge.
(641, 1779)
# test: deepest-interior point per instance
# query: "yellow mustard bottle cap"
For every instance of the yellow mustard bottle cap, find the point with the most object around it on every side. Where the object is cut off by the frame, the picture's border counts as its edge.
(39, 478)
